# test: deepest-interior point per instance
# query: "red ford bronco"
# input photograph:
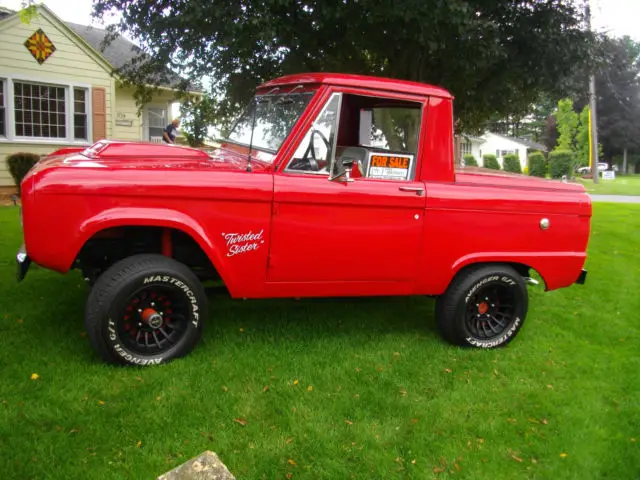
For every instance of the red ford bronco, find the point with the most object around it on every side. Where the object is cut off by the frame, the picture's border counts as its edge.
(327, 185)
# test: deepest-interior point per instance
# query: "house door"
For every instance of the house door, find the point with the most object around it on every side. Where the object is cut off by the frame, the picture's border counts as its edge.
(156, 123)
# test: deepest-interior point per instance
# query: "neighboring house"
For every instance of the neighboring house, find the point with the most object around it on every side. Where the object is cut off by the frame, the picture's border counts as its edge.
(498, 145)
(57, 88)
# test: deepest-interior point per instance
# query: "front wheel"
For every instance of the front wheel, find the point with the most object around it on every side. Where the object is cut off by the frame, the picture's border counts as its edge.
(483, 307)
(145, 310)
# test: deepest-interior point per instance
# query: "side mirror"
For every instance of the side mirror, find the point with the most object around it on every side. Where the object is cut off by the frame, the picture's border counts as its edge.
(343, 169)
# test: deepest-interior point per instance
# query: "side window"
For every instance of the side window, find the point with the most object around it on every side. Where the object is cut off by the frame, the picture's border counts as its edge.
(315, 153)
(380, 135)
(395, 129)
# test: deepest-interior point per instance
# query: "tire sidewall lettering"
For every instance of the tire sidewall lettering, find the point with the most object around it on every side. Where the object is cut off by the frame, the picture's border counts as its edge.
(186, 289)
(126, 355)
(498, 341)
(113, 340)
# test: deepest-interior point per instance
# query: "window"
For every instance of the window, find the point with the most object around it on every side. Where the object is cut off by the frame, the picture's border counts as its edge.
(39, 110)
(157, 123)
(502, 153)
(80, 120)
(269, 119)
(315, 152)
(3, 128)
(378, 136)
(33, 110)
(465, 148)
(394, 129)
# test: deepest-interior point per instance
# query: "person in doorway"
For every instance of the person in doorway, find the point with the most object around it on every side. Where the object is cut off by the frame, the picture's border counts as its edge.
(171, 131)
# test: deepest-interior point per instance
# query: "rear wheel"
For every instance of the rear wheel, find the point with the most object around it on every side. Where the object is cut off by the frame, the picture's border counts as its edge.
(145, 310)
(483, 307)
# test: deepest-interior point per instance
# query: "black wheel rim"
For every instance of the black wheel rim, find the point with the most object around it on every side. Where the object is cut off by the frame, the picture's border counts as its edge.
(491, 310)
(154, 320)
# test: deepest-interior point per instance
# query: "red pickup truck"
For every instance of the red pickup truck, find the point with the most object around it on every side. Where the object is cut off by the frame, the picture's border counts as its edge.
(327, 185)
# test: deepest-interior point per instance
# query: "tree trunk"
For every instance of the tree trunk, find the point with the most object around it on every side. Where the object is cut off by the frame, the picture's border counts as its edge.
(624, 161)
(457, 147)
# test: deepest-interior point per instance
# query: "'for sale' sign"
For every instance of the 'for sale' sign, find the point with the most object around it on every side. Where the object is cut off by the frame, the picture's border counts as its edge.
(390, 167)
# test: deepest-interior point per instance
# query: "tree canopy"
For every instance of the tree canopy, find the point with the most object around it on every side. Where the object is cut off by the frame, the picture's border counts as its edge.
(496, 57)
(618, 95)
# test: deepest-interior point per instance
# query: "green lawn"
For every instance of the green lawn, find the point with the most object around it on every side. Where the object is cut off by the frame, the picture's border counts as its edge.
(622, 185)
(333, 389)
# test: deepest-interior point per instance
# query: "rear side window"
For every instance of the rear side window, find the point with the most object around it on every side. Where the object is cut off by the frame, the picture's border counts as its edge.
(395, 129)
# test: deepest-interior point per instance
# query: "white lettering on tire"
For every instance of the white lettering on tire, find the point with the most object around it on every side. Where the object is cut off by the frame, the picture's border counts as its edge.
(482, 282)
(130, 358)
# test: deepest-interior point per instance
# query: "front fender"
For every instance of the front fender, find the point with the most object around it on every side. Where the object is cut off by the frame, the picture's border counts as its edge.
(152, 217)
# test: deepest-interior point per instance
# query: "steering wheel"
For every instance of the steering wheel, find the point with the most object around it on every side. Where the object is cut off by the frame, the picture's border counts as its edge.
(309, 158)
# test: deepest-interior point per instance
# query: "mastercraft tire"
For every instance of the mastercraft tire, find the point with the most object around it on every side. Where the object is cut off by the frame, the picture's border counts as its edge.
(145, 310)
(484, 307)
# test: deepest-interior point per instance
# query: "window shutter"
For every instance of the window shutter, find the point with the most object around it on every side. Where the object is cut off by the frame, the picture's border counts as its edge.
(99, 112)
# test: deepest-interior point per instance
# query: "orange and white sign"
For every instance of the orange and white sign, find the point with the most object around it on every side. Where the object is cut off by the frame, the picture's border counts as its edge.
(390, 166)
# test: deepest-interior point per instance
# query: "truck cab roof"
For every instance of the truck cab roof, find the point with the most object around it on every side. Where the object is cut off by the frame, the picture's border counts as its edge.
(362, 81)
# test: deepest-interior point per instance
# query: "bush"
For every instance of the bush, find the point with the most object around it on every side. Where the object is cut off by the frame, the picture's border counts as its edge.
(561, 163)
(19, 164)
(470, 160)
(490, 161)
(512, 163)
(537, 165)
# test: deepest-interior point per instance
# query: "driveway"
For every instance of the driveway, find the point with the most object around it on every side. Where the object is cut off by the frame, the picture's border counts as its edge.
(616, 198)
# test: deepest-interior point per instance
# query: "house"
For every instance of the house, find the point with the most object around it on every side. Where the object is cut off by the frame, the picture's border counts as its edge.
(57, 88)
(498, 145)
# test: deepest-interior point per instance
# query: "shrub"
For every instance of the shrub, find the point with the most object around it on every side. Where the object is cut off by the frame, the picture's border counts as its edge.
(470, 160)
(537, 165)
(512, 163)
(490, 161)
(19, 164)
(561, 163)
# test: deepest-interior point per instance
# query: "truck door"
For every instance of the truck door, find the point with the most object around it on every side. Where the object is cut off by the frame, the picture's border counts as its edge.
(365, 230)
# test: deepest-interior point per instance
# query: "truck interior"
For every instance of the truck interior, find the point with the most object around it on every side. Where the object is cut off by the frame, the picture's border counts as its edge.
(362, 128)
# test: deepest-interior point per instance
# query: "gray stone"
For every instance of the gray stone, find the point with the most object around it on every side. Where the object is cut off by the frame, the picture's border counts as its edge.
(206, 466)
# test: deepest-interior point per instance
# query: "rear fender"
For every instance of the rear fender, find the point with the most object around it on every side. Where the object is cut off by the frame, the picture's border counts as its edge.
(557, 269)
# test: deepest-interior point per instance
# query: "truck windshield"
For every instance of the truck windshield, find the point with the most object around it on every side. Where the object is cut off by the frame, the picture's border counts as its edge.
(274, 118)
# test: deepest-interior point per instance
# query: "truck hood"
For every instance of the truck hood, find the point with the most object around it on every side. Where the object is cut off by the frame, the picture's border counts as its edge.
(494, 178)
(124, 155)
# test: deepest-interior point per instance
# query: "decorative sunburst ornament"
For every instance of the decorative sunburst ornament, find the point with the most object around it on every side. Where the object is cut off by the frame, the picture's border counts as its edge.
(40, 46)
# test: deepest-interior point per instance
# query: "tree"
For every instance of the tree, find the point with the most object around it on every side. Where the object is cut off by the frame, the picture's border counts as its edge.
(197, 117)
(476, 49)
(567, 125)
(582, 137)
(618, 90)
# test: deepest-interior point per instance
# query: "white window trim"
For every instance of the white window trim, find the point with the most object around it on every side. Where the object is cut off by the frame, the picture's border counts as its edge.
(68, 86)
(4, 83)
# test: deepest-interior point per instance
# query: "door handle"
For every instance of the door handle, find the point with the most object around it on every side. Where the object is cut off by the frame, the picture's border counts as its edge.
(417, 190)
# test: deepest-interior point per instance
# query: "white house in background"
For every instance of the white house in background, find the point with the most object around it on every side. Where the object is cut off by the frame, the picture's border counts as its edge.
(498, 145)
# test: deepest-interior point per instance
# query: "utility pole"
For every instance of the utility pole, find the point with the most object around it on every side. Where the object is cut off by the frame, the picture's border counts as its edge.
(593, 130)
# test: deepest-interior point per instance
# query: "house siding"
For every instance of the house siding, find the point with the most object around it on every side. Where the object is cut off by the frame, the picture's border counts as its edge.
(493, 143)
(126, 111)
(68, 64)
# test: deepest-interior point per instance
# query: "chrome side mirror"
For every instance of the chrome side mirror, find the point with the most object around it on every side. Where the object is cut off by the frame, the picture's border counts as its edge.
(343, 170)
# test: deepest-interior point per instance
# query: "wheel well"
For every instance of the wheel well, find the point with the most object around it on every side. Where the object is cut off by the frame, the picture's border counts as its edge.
(522, 269)
(108, 246)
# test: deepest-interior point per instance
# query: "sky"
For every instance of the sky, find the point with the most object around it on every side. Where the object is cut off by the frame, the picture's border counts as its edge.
(617, 17)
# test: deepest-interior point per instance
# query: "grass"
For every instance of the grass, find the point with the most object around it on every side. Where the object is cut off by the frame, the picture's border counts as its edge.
(622, 185)
(333, 389)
